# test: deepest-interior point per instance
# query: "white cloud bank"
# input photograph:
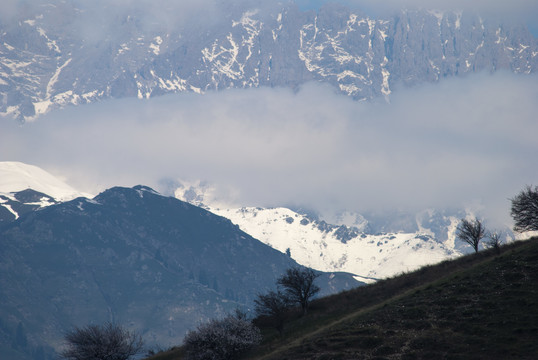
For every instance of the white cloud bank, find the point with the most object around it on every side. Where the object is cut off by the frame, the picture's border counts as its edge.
(439, 145)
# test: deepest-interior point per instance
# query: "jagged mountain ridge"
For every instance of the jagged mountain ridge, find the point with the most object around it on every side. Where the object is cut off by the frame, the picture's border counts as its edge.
(131, 255)
(46, 63)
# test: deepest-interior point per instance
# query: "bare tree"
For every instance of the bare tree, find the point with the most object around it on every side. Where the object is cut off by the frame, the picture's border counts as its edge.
(299, 286)
(274, 305)
(471, 232)
(223, 339)
(495, 241)
(525, 209)
(101, 342)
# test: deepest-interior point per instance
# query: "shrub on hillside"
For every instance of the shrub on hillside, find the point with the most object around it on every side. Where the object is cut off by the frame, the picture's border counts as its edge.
(495, 241)
(101, 342)
(275, 306)
(223, 339)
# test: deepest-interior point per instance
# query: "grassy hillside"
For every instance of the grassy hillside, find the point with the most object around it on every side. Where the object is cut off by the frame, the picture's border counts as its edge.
(482, 306)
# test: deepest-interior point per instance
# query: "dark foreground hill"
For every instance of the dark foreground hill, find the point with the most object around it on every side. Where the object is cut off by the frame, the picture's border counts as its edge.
(482, 306)
(152, 263)
(476, 307)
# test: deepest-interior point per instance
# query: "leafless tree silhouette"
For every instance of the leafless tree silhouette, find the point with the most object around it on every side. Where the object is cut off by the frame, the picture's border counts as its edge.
(525, 210)
(471, 232)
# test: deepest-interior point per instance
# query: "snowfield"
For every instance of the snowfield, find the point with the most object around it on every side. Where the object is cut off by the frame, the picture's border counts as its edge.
(331, 248)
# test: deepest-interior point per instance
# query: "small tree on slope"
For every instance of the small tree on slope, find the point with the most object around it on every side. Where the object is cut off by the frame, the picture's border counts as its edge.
(275, 306)
(495, 241)
(299, 286)
(471, 232)
(525, 210)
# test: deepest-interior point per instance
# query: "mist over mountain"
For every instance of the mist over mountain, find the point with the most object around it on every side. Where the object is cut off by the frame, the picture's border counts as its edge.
(58, 53)
(258, 98)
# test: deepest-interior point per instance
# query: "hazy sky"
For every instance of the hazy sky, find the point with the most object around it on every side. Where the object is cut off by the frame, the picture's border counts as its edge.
(455, 143)
(94, 20)
(520, 10)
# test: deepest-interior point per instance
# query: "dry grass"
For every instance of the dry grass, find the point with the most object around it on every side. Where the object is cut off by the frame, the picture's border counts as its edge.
(477, 307)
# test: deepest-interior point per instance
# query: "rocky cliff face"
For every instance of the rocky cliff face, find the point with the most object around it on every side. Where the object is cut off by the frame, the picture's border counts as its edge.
(62, 53)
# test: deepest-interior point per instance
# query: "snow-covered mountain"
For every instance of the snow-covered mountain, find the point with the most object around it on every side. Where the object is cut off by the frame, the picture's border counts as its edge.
(358, 246)
(350, 248)
(59, 53)
(25, 188)
(17, 176)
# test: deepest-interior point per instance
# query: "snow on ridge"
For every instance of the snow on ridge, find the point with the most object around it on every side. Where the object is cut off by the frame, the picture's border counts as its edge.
(366, 255)
(156, 45)
(54, 79)
(9, 208)
(321, 246)
(439, 14)
(17, 176)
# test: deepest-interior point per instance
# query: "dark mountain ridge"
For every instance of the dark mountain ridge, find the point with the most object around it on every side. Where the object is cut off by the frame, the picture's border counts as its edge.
(21, 202)
(130, 255)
